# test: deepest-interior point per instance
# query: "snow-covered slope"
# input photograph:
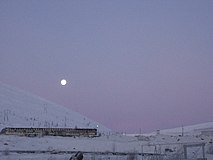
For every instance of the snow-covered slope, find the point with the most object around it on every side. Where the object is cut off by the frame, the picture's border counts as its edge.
(22, 109)
(187, 130)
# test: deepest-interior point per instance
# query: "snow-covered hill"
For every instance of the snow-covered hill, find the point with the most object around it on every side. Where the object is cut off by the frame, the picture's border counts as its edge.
(21, 109)
(187, 130)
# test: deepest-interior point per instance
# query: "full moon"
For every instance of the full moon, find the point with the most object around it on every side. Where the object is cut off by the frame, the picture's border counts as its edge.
(63, 82)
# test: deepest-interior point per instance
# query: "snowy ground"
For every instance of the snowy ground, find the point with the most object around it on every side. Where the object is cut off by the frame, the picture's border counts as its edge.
(61, 148)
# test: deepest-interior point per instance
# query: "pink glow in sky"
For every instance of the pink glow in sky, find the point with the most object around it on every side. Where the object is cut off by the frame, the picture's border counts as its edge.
(131, 65)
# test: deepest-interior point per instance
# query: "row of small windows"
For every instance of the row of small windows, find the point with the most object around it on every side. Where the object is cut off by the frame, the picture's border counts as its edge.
(51, 131)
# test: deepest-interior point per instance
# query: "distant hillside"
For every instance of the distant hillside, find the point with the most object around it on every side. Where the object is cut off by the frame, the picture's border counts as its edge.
(188, 130)
(21, 109)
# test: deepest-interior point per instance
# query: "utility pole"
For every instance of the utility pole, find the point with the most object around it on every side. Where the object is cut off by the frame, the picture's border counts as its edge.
(182, 130)
(141, 152)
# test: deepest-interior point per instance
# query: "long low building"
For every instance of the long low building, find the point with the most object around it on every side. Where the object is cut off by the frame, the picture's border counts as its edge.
(67, 132)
